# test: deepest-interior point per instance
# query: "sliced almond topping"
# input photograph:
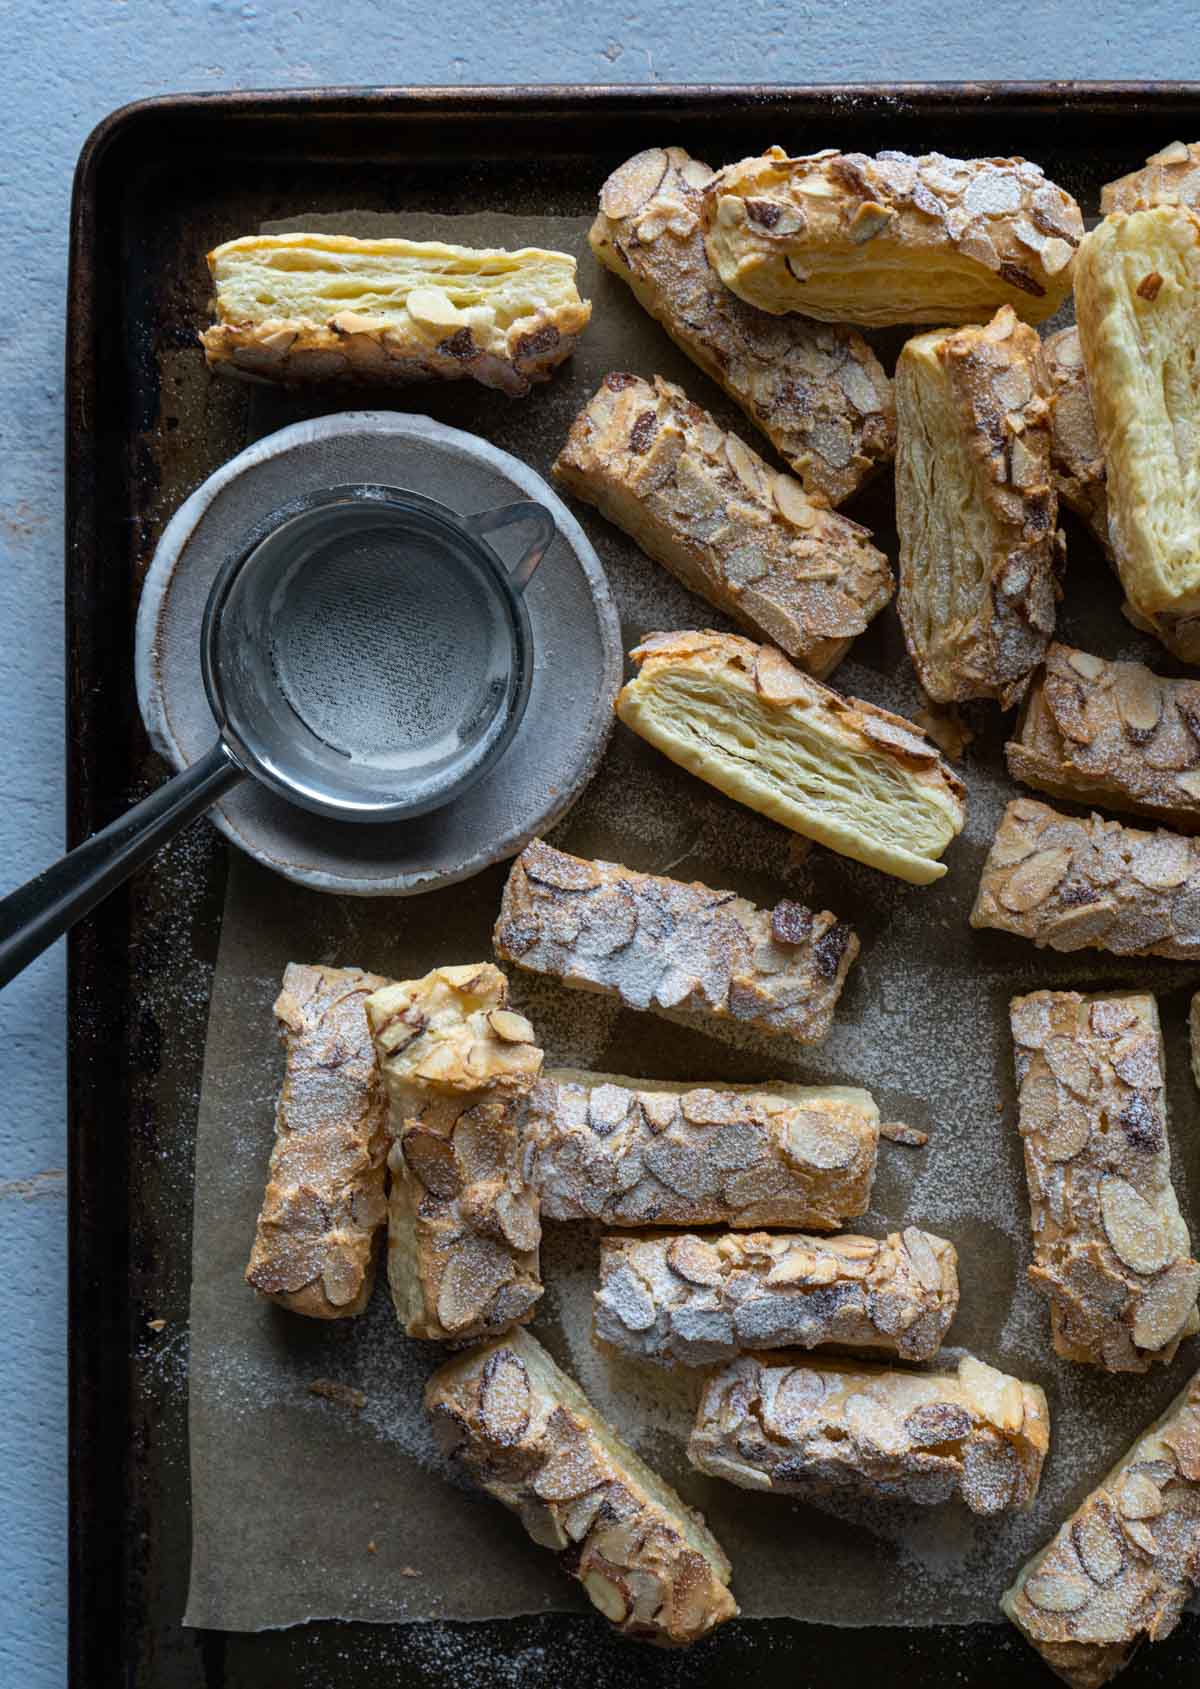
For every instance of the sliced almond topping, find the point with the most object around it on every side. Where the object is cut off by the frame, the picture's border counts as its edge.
(995, 1396)
(571, 1469)
(1091, 668)
(825, 1271)
(746, 465)
(1033, 880)
(896, 1132)
(1183, 1440)
(796, 1402)
(874, 1424)
(1098, 1544)
(1056, 255)
(815, 1141)
(474, 1273)
(695, 1261)
(1058, 1592)
(897, 737)
(793, 502)
(937, 1422)
(1189, 782)
(518, 1218)
(512, 1028)
(483, 1141)
(792, 1268)
(925, 1263)
(605, 1595)
(1160, 860)
(504, 1398)
(1139, 1497)
(1175, 152)
(1069, 1064)
(1139, 700)
(1140, 1534)
(432, 1160)
(1137, 1235)
(776, 680)
(634, 183)
(1164, 1309)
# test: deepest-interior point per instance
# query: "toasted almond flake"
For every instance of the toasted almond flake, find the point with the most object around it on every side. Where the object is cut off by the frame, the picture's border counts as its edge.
(1139, 1497)
(1132, 1227)
(1033, 880)
(1058, 1592)
(512, 1028)
(1166, 1305)
(1091, 668)
(634, 183)
(1098, 1544)
(695, 1261)
(605, 1595)
(432, 1160)
(898, 1133)
(793, 502)
(504, 1398)
(1140, 1534)
(776, 680)
(793, 1268)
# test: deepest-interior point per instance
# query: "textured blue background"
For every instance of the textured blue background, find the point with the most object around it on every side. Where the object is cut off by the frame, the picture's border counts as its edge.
(68, 67)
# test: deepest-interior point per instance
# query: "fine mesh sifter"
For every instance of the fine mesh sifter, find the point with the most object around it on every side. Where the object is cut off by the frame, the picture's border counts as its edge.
(368, 659)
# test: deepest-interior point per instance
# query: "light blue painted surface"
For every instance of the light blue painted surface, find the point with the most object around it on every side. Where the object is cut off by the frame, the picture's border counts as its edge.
(68, 67)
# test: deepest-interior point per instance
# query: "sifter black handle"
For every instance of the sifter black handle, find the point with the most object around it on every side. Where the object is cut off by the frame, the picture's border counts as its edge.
(42, 910)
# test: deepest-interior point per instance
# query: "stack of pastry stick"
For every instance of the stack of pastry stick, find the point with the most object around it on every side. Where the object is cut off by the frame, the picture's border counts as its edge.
(428, 1102)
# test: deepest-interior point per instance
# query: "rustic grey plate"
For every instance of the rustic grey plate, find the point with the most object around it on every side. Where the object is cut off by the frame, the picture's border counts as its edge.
(577, 664)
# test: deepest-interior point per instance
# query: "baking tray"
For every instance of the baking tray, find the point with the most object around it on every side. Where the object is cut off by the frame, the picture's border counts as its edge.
(157, 184)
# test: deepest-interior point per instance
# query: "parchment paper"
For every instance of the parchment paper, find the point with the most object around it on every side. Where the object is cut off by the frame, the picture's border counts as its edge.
(304, 1507)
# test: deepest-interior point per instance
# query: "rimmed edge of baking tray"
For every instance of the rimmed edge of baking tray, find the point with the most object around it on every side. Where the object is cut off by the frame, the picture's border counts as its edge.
(98, 693)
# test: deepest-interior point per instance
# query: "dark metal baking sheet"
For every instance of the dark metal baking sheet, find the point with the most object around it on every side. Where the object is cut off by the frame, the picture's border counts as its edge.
(158, 184)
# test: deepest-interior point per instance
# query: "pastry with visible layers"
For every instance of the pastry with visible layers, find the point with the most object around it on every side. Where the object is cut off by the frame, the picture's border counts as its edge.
(853, 777)
(976, 509)
(683, 951)
(1111, 733)
(1137, 295)
(688, 1300)
(1170, 176)
(463, 1225)
(1111, 1250)
(641, 1152)
(324, 1205)
(816, 390)
(524, 1432)
(813, 1428)
(1092, 884)
(300, 308)
(742, 535)
(1121, 1569)
(892, 239)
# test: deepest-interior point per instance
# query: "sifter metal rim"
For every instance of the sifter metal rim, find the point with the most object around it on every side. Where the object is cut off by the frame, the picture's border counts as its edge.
(151, 692)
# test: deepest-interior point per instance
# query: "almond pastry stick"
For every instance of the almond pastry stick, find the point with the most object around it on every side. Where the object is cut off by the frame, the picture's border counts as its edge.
(526, 1434)
(1091, 884)
(1124, 1565)
(853, 777)
(1113, 734)
(817, 391)
(812, 1428)
(1110, 1247)
(302, 307)
(732, 529)
(1170, 176)
(463, 1227)
(640, 1152)
(682, 951)
(892, 239)
(685, 1300)
(975, 509)
(314, 1248)
(1137, 294)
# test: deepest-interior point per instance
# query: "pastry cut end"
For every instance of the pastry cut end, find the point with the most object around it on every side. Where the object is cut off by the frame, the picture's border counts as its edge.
(855, 778)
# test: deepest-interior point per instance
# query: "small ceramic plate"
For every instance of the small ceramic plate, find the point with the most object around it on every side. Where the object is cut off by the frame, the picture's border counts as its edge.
(577, 654)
